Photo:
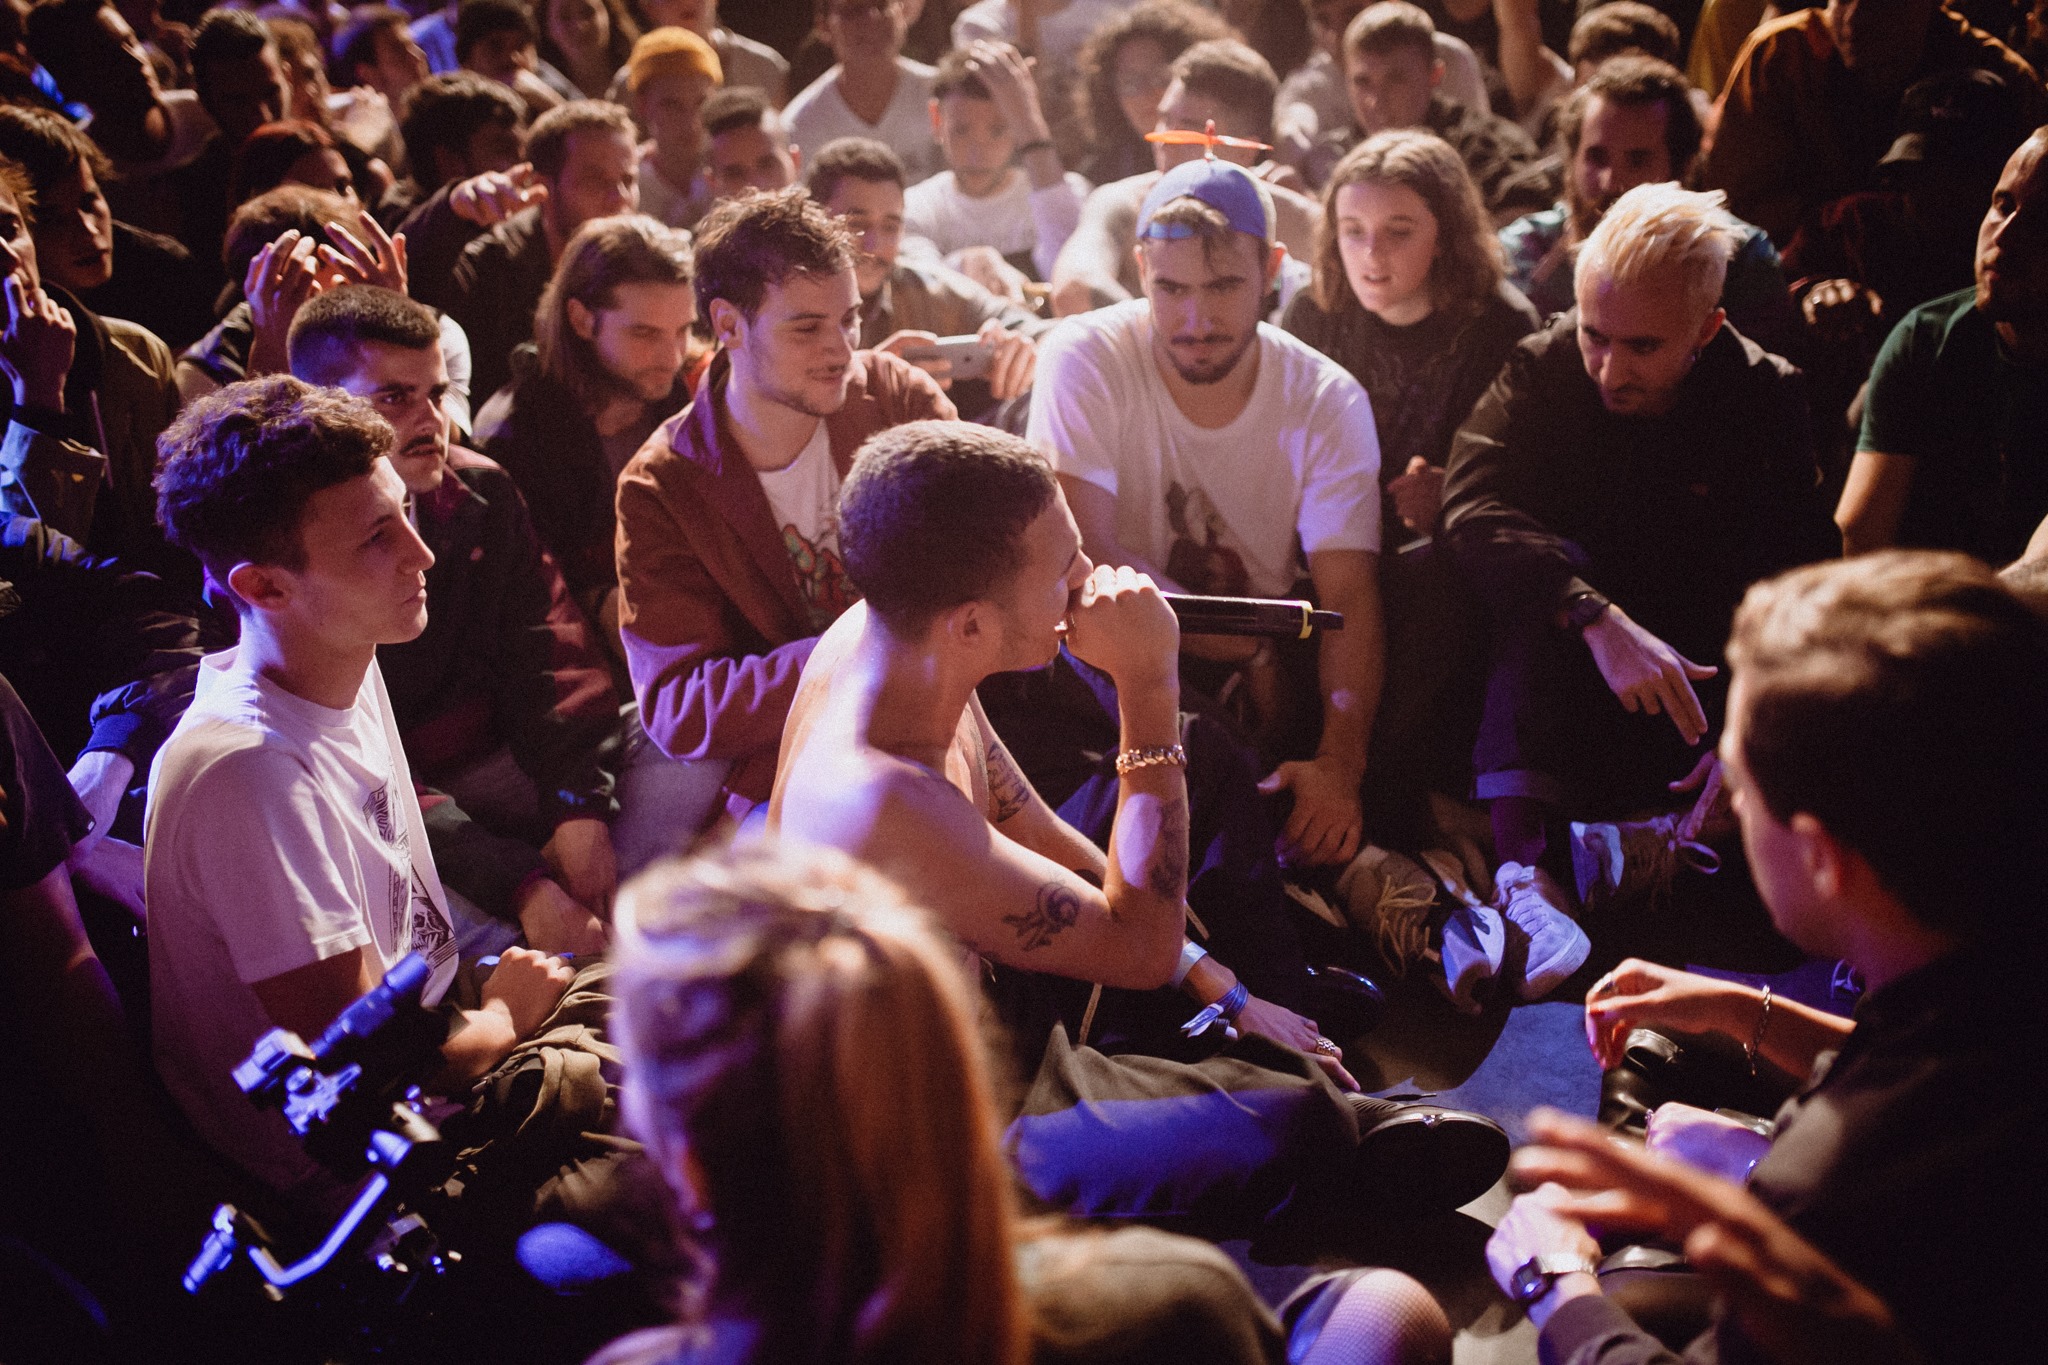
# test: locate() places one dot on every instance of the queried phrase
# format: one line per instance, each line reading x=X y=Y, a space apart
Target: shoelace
x=1401 y=923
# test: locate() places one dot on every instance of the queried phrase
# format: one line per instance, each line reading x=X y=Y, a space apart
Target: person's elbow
x=1151 y=954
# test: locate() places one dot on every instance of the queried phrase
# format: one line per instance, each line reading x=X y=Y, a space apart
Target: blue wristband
x=1227 y=1009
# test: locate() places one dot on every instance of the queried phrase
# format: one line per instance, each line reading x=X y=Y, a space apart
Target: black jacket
x=538 y=431
x=497 y=284
x=505 y=660
x=1672 y=517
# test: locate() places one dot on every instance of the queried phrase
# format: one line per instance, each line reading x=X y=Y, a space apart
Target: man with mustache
x=1634 y=468
x=503 y=700
x=1633 y=123
x=1202 y=446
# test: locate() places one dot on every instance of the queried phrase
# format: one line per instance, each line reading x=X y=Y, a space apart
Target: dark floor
x=1503 y=1064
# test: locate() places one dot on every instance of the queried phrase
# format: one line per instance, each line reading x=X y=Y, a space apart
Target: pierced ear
x=1711 y=327
x=727 y=322
x=260 y=585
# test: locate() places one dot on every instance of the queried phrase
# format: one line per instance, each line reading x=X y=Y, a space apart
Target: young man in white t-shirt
x=873 y=90
x=1212 y=451
x=287 y=865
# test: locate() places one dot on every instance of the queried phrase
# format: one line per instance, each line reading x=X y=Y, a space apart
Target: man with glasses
x=873 y=90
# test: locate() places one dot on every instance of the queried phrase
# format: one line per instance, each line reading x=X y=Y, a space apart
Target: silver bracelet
x=1756 y=1040
x=1191 y=952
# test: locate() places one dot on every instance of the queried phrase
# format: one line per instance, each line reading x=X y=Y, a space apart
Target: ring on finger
x=1328 y=1048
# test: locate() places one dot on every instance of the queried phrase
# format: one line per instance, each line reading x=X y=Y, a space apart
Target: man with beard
x=1634 y=124
x=728 y=557
x=605 y=368
x=1951 y=455
x=1211 y=450
x=502 y=701
x=1634 y=468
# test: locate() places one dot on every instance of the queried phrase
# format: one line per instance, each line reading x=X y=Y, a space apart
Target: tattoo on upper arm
x=1058 y=908
x=1166 y=873
x=1007 y=790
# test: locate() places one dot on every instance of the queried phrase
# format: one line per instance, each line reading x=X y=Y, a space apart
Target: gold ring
x=1325 y=1046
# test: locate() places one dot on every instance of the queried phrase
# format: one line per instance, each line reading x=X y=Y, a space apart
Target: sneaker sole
x=1430 y=1160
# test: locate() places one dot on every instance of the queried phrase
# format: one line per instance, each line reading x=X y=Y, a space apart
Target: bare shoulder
x=879 y=808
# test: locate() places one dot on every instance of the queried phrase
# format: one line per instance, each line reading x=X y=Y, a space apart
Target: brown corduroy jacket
x=714 y=621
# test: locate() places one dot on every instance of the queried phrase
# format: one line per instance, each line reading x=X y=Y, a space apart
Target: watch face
x=1528 y=1283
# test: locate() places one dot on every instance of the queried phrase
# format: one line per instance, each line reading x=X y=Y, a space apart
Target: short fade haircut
x=1387 y=27
x=237 y=468
x=273 y=213
x=327 y=334
x=854 y=158
x=1895 y=697
x=1624 y=26
x=446 y=111
x=933 y=514
x=1658 y=228
x=1236 y=77
x=759 y=239
x=1639 y=82
x=227 y=35
x=547 y=142
x=739 y=106
x=605 y=253
x=956 y=77
x=48 y=146
x=476 y=20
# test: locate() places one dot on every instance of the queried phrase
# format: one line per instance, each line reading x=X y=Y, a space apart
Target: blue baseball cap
x=1224 y=186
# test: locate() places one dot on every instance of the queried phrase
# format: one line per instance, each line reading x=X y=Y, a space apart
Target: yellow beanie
x=671 y=51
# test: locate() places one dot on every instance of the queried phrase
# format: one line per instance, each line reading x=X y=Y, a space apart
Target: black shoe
x=1650 y=1066
x=1345 y=1005
x=1424 y=1158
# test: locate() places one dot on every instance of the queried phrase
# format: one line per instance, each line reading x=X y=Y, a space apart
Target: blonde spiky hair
x=1660 y=229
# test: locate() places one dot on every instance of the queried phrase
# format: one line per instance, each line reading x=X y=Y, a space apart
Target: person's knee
x=1383 y=1318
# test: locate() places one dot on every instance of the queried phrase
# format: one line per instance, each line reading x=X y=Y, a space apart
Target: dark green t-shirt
x=1946 y=392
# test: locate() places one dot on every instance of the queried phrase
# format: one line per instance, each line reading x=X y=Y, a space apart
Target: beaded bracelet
x=1130 y=760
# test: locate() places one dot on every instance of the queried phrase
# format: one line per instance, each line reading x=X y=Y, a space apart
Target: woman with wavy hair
x=803 y=1063
x=1122 y=77
x=1410 y=297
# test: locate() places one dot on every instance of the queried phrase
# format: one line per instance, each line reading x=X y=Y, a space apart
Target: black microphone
x=1280 y=619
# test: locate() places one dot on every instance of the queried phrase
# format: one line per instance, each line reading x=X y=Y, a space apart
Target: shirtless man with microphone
x=970 y=564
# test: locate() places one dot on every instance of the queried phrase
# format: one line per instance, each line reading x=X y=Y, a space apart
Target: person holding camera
x=287 y=866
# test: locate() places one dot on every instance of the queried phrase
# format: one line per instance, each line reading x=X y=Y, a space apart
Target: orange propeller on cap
x=1208 y=139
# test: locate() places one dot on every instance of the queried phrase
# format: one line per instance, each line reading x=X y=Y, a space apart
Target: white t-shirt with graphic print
x=1230 y=510
x=804 y=496
x=280 y=833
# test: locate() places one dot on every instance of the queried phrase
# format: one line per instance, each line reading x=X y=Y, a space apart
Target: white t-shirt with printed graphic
x=1228 y=511
x=280 y=833
x=804 y=496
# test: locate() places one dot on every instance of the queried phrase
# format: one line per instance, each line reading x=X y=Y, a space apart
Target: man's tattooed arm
x=1166 y=872
x=1057 y=909
x=1008 y=793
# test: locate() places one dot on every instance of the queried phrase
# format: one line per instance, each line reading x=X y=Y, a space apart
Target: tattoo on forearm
x=1057 y=909
x=1007 y=790
x=1166 y=874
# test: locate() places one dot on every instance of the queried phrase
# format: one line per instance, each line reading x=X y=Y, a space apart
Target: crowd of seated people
x=460 y=459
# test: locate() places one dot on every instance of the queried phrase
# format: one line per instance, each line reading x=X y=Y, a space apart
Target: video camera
x=354 y=1098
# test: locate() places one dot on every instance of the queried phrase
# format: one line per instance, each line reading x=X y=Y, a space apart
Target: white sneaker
x=1533 y=903
x=1475 y=941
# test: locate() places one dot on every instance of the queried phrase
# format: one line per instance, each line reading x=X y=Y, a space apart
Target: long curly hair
x=1175 y=26
x=1468 y=268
